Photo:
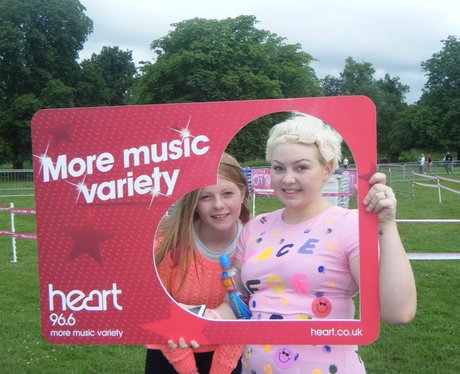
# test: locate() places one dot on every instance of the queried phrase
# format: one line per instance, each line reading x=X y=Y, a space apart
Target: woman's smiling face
x=219 y=206
x=298 y=173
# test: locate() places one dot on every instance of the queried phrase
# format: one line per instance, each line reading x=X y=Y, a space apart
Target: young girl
x=204 y=225
x=271 y=252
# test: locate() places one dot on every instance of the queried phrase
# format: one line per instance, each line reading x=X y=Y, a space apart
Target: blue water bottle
x=238 y=294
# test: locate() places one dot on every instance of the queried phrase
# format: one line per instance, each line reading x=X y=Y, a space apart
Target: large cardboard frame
x=104 y=178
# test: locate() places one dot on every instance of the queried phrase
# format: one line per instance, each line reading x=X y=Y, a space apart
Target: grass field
x=427 y=345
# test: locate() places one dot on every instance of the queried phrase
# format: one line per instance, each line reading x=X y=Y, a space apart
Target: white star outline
x=80 y=187
x=184 y=133
x=155 y=192
x=42 y=158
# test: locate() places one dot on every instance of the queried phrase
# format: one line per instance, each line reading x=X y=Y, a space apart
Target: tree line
x=204 y=60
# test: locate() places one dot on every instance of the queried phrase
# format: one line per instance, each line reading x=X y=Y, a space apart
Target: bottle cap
x=225 y=261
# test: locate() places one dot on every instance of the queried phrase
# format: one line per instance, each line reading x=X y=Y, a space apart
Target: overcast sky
x=395 y=36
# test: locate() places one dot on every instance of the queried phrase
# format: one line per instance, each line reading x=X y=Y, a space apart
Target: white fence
x=12 y=232
x=412 y=256
x=431 y=256
x=402 y=172
x=437 y=183
x=16 y=183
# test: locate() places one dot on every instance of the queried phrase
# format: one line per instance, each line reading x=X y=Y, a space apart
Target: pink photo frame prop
x=105 y=177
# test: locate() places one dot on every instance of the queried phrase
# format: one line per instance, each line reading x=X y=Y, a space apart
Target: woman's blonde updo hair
x=306 y=129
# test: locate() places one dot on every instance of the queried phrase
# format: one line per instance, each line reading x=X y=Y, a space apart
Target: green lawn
x=428 y=345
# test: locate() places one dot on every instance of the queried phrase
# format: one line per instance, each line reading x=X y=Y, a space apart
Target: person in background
x=204 y=225
x=448 y=163
x=315 y=244
x=421 y=164
x=429 y=163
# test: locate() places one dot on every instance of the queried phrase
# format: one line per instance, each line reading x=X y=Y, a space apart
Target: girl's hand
x=183 y=344
x=381 y=199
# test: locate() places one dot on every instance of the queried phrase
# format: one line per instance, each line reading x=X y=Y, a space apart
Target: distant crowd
x=425 y=163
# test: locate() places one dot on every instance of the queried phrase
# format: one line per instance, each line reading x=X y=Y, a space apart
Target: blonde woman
x=304 y=258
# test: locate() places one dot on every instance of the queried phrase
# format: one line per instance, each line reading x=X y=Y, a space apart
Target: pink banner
x=261 y=179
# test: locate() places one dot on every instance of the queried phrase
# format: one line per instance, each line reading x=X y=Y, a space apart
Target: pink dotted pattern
x=92 y=246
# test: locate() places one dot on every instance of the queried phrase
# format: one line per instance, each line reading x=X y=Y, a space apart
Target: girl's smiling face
x=298 y=173
x=219 y=206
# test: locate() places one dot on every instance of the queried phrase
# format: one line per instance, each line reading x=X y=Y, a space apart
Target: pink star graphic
x=59 y=133
x=87 y=240
x=179 y=324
